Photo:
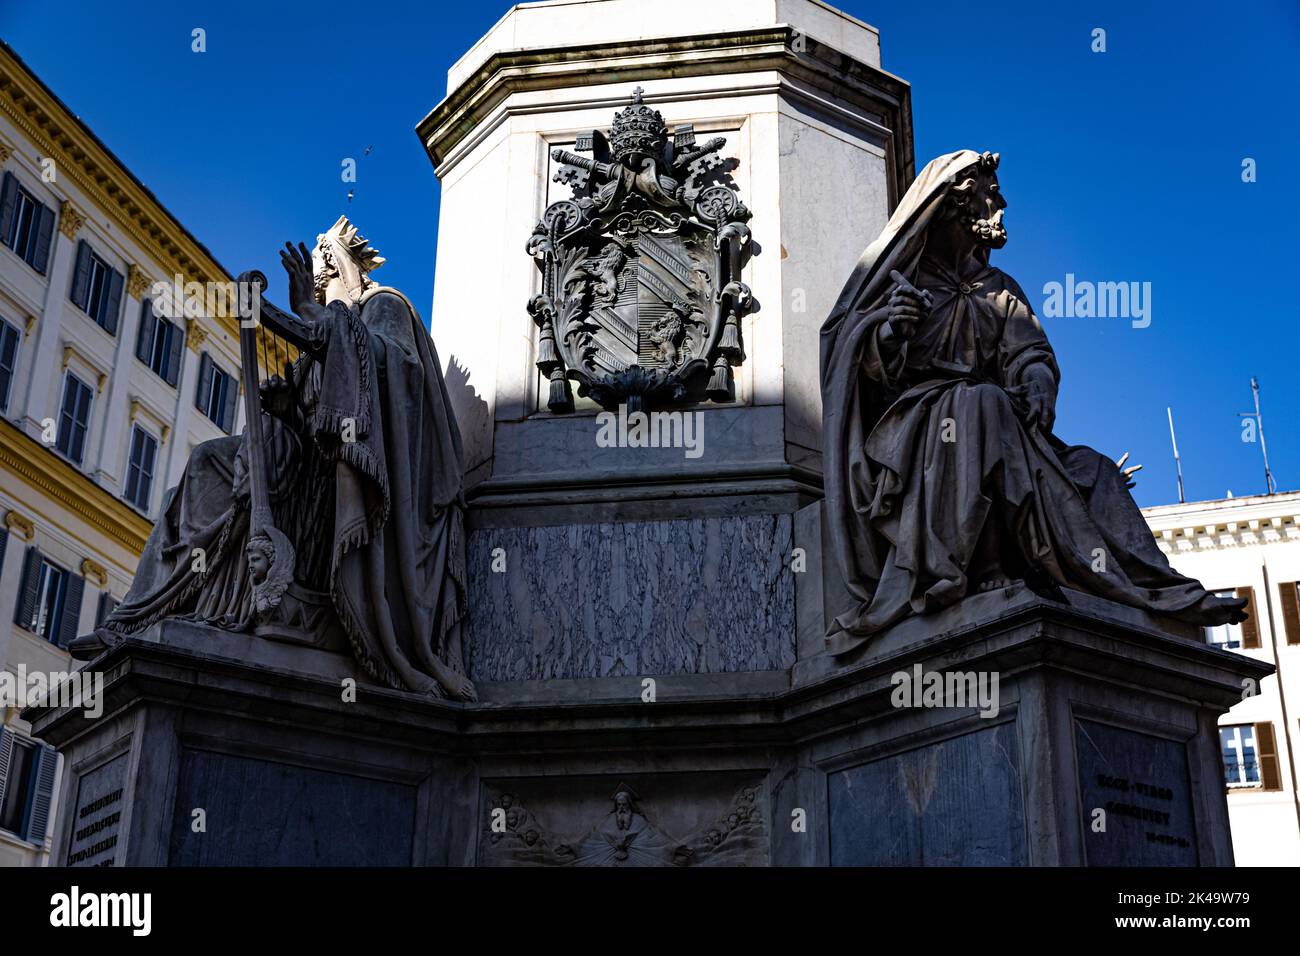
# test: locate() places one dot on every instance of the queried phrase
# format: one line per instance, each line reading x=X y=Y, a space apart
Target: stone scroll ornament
x=642 y=301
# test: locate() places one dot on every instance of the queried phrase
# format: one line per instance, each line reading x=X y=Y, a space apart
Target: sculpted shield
x=641 y=300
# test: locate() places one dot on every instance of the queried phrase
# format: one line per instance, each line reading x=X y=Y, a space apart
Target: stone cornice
x=780 y=49
x=1229 y=534
x=51 y=475
x=1228 y=523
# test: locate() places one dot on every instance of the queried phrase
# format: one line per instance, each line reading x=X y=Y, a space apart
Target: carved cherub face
x=259 y=560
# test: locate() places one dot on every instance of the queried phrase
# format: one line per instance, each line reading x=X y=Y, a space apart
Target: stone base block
x=1087 y=736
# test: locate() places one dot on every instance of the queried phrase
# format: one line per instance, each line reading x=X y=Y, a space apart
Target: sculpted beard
x=990 y=232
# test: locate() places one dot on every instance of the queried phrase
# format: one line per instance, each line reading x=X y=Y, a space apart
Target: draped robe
x=927 y=448
x=377 y=522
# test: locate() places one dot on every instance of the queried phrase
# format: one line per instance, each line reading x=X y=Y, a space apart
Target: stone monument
x=647 y=211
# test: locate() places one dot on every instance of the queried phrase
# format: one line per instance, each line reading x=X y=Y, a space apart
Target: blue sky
x=1117 y=166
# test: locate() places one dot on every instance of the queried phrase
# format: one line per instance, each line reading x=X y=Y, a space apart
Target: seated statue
x=363 y=470
x=943 y=474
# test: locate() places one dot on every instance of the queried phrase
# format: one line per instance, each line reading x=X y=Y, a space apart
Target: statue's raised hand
x=908 y=305
x=302 y=288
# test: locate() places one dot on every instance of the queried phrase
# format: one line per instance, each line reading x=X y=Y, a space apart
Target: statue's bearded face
x=975 y=206
x=989 y=204
x=322 y=271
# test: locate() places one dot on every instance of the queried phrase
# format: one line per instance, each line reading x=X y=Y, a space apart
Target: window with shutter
x=111 y=307
x=1250 y=626
x=40 y=260
x=25 y=609
x=6 y=758
x=10 y=338
x=140 y=467
x=202 y=393
x=1266 y=746
x=8 y=199
x=63 y=630
x=176 y=348
x=229 y=397
x=144 y=334
x=74 y=419
x=19 y=778
x=42 y=801
x=1240 y=764
x=45 y=591
x=1291 y=611
x=81 y=277
x=97 y=288
x=26 y=224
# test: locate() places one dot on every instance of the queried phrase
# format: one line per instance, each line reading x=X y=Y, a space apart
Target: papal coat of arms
x=641 y=299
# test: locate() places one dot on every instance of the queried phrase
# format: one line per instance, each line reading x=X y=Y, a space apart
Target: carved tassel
x=730 y=336
x=561 y=397
x=719 y=389
x=547 y=355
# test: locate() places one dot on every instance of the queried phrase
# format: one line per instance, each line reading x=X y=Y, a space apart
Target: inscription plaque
x=1142 y=784
x=97 y=815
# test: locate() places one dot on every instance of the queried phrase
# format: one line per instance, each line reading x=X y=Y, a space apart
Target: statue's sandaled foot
x=995 y=583
x=89 y=646
x=455 y=686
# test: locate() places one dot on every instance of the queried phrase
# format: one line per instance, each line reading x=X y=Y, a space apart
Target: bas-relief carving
x=642 y=300
x=944 y=475
x=705 y=595
x=625 y=834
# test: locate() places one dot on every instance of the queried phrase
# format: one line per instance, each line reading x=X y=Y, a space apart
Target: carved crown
x=637 y=129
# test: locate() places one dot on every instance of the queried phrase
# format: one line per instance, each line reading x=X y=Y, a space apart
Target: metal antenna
x=1270 y=485
x=1178 y=463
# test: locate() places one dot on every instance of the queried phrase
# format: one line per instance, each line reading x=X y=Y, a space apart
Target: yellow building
x=101 y=400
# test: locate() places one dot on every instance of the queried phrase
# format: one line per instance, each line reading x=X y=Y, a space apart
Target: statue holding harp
x=336 y=520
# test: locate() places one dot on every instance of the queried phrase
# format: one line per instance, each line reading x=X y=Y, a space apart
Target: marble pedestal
x=217 y=749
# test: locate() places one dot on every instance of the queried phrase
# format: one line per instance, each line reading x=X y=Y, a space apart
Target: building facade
x=101 y=401
x=1251 y=546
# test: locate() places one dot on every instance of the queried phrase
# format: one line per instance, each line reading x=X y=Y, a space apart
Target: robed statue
x=944 y=476
x=336 y=519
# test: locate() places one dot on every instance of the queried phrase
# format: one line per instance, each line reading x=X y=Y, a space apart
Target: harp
x=269 y=340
